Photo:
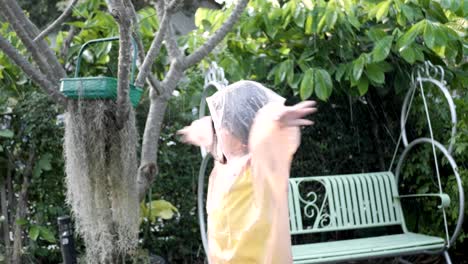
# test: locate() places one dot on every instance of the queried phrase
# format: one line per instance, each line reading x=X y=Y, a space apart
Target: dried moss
x=101 y=168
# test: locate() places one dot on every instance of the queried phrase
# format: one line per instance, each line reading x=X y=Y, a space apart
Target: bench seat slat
x=341 y=228
x=364 y=247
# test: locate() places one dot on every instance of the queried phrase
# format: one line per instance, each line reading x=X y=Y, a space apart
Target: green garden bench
x=350 y=202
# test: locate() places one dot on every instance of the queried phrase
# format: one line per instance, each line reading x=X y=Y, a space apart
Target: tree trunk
x=5 y=223
x=9 y=189
x=21 y=211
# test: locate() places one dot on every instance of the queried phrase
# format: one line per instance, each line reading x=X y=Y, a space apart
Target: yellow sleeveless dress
x=238 y=229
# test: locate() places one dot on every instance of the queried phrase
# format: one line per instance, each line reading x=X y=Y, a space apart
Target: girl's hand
x=293 y=116
x=199 y=133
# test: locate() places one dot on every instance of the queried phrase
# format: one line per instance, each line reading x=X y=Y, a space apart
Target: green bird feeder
x=99 y=87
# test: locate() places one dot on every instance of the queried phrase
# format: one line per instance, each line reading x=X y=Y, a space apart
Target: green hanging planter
x=99 y=87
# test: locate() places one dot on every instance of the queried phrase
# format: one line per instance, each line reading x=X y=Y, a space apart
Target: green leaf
x=307 y=55
x=162 y=209
x=340 y=71
x=284 y=50
x=382 y=49
x=429 y=35
x=331 y=19
x=6 y=133
x=166 y=214
x=286 y=22
x=308 y=24
x=307 y=84
x=78 y=24
x=323 y=84
x=382 y=10
x=440 y=51
x=354 y=21
x=408 y=12
x=270 y=29
x=37 y=171
x=363 y=86
x=419 y=54
x=328 y=20
x=435 y=12
x=206 y=25
x=300 y=19
x=21 y=221
x=408 y=38
x=34 y=232
x=282 y=71
x=290 y=72
x=408 y=55
x=375 y=73
x=46 y=234
x=441 y=34
x=358 y=66
x=295 y=83
x=45 y=162
x=376 y=34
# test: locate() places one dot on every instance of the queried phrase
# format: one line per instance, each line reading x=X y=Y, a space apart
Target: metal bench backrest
x=342 y=202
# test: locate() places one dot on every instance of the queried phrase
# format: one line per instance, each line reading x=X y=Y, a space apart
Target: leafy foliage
x=357 y=44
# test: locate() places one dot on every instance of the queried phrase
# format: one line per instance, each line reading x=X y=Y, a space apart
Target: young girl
x=253 y=137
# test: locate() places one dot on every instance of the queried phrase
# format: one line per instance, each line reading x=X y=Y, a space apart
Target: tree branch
x=173 y=76
x=57 y=22
x=149 y=151
x=171 y=43
x=32 y=30
x=121 y=14
x=28 y=25
x=209 y=45
x=172 y=46
x=153 y=52
x=26 y=30
x=32 y=48
x=35 y=75
x=67 y=41
x=153 y=82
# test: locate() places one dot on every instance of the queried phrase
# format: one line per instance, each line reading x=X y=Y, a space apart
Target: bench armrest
x=444 y=198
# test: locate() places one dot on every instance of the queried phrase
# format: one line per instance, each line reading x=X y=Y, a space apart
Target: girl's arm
x=274 y=138
x=201 y=133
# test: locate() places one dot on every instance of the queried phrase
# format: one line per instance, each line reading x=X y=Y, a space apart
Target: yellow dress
x=237 y=227
x=247 y=206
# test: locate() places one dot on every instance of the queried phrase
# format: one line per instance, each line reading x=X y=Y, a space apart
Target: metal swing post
x=214 y=78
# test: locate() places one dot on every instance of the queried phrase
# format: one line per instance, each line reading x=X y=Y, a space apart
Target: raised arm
x=274 y=138
x=201 y=133
x=275 y=131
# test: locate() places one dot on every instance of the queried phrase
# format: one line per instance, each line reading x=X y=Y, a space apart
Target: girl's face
x=231 y=146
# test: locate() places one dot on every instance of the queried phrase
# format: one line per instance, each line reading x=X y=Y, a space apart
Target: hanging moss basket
x=99 y=87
